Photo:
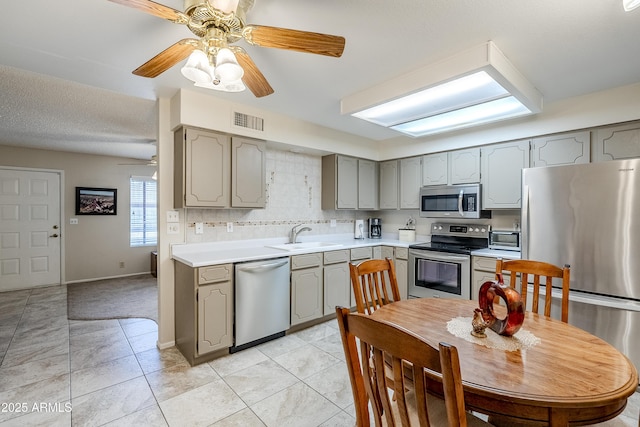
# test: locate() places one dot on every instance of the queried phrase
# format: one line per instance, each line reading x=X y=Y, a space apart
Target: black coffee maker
x=375 y=228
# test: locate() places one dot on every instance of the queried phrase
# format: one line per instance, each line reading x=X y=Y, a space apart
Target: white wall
x=95 y=247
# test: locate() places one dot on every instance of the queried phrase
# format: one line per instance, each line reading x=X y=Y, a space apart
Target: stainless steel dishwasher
x=262 y=301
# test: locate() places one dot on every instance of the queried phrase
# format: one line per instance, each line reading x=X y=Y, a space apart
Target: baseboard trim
x=165 y=345
x=106 y=278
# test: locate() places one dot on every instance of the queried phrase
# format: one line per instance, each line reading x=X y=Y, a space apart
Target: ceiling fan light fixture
x=225 y=6
x=197 y=68
x=227 y=68
x=475 y=87
x=629 y=5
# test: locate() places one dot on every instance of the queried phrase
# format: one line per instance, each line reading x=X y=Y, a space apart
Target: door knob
x=55 y=227
x=54 y=235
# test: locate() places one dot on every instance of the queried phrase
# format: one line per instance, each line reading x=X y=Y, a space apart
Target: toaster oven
x=504 y=240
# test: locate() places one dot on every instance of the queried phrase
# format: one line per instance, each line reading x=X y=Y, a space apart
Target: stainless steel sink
x=305 y=245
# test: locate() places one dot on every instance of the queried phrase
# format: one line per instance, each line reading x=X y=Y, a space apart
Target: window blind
x=144 y=212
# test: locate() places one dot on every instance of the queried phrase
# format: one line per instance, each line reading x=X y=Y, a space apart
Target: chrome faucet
x=293 y=234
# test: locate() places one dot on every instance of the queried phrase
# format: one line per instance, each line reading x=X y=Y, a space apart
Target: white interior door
x=29 y=229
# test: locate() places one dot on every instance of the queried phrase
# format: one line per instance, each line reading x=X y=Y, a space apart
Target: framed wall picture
x=96 y=201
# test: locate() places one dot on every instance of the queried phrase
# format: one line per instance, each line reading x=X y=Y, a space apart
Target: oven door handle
x=439 y=256
x=460 y=203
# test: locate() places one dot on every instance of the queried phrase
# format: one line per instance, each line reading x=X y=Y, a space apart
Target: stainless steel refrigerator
x=588 y=216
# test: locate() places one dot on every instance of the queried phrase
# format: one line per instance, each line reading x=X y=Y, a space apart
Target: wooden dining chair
x=542 y=272
x=374 y=284
x=411 y=406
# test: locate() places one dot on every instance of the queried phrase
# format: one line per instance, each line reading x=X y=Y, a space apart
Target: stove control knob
x=477 y=229
x=483 y=230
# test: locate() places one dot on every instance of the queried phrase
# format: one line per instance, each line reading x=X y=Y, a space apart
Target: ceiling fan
x=218 y=24
x=153 y=162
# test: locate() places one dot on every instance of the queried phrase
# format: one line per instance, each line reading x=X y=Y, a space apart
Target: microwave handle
x=460 y=203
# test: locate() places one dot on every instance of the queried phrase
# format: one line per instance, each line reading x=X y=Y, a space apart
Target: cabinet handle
x=54 y=235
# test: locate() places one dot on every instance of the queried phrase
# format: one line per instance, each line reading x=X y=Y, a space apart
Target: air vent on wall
x=248 y=122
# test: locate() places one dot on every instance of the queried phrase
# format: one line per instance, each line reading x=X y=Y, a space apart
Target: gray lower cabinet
x=401 y=260
x=306 y=288
x=484 y=270
x=357 y=256
x=203 y=310
x=337 y=281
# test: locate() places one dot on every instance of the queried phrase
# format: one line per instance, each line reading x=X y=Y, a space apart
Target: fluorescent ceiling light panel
x=476 y=87
x=629 y=5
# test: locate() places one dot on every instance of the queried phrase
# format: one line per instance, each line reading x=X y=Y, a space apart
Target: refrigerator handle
x=525 y=222
x=460 y=203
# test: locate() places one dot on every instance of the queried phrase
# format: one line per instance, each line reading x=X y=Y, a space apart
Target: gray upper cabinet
x=339 y=182
x=202 y=165
x=349 y=183
x=389 y=184
x=452 y=167
x=563 y=149
x=410 y=180
x=617 y=142
x=367 y=184
x=248 y=169
x=213 y=170
x=464 y=166
x=501 y=166
x=435 y=169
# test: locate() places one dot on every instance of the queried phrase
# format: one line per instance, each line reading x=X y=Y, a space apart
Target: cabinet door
x=337 y=287
x=617 y=142
x=215 y=317
x=435 y=169
x=248 y=173
x=306 y=295
x=410 y=182
x=389 y=184
x=367 y=184
x=206 y=169
x=347 y=182
x=464 y=166
x=402 y=277
x=564 y=149
x=501 y=166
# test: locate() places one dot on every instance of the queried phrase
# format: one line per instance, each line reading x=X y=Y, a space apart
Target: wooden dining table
x=569 y=377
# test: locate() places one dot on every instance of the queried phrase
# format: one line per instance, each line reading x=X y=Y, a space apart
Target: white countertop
x=495 y=253
x=212 y=253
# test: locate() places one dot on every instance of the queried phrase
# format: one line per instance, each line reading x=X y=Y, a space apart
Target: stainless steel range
x=442 y=268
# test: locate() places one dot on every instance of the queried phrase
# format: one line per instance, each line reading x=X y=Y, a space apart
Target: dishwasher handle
x=264 y=267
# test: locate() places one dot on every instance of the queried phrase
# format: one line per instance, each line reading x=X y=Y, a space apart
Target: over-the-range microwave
x=452 y=201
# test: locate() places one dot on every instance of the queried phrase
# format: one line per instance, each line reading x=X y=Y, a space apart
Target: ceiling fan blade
x=166 y=59
x=253 y=77
x=301 y=41
x=155 y=9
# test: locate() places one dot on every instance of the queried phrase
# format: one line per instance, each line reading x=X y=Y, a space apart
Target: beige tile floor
x=57 y=372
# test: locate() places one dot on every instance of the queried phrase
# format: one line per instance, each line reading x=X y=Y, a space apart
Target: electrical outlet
x=333 y=223
x=199 y=228
x=173 y=216
x=173 y=228
x=73 y=221
x=229 y=227
x=121 y=264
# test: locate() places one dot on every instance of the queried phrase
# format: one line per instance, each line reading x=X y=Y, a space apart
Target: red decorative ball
x=515 y=309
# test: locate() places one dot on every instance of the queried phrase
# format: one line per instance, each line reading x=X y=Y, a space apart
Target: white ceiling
x=65 y=65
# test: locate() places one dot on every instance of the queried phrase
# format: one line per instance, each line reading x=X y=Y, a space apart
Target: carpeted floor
x=134 y=296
